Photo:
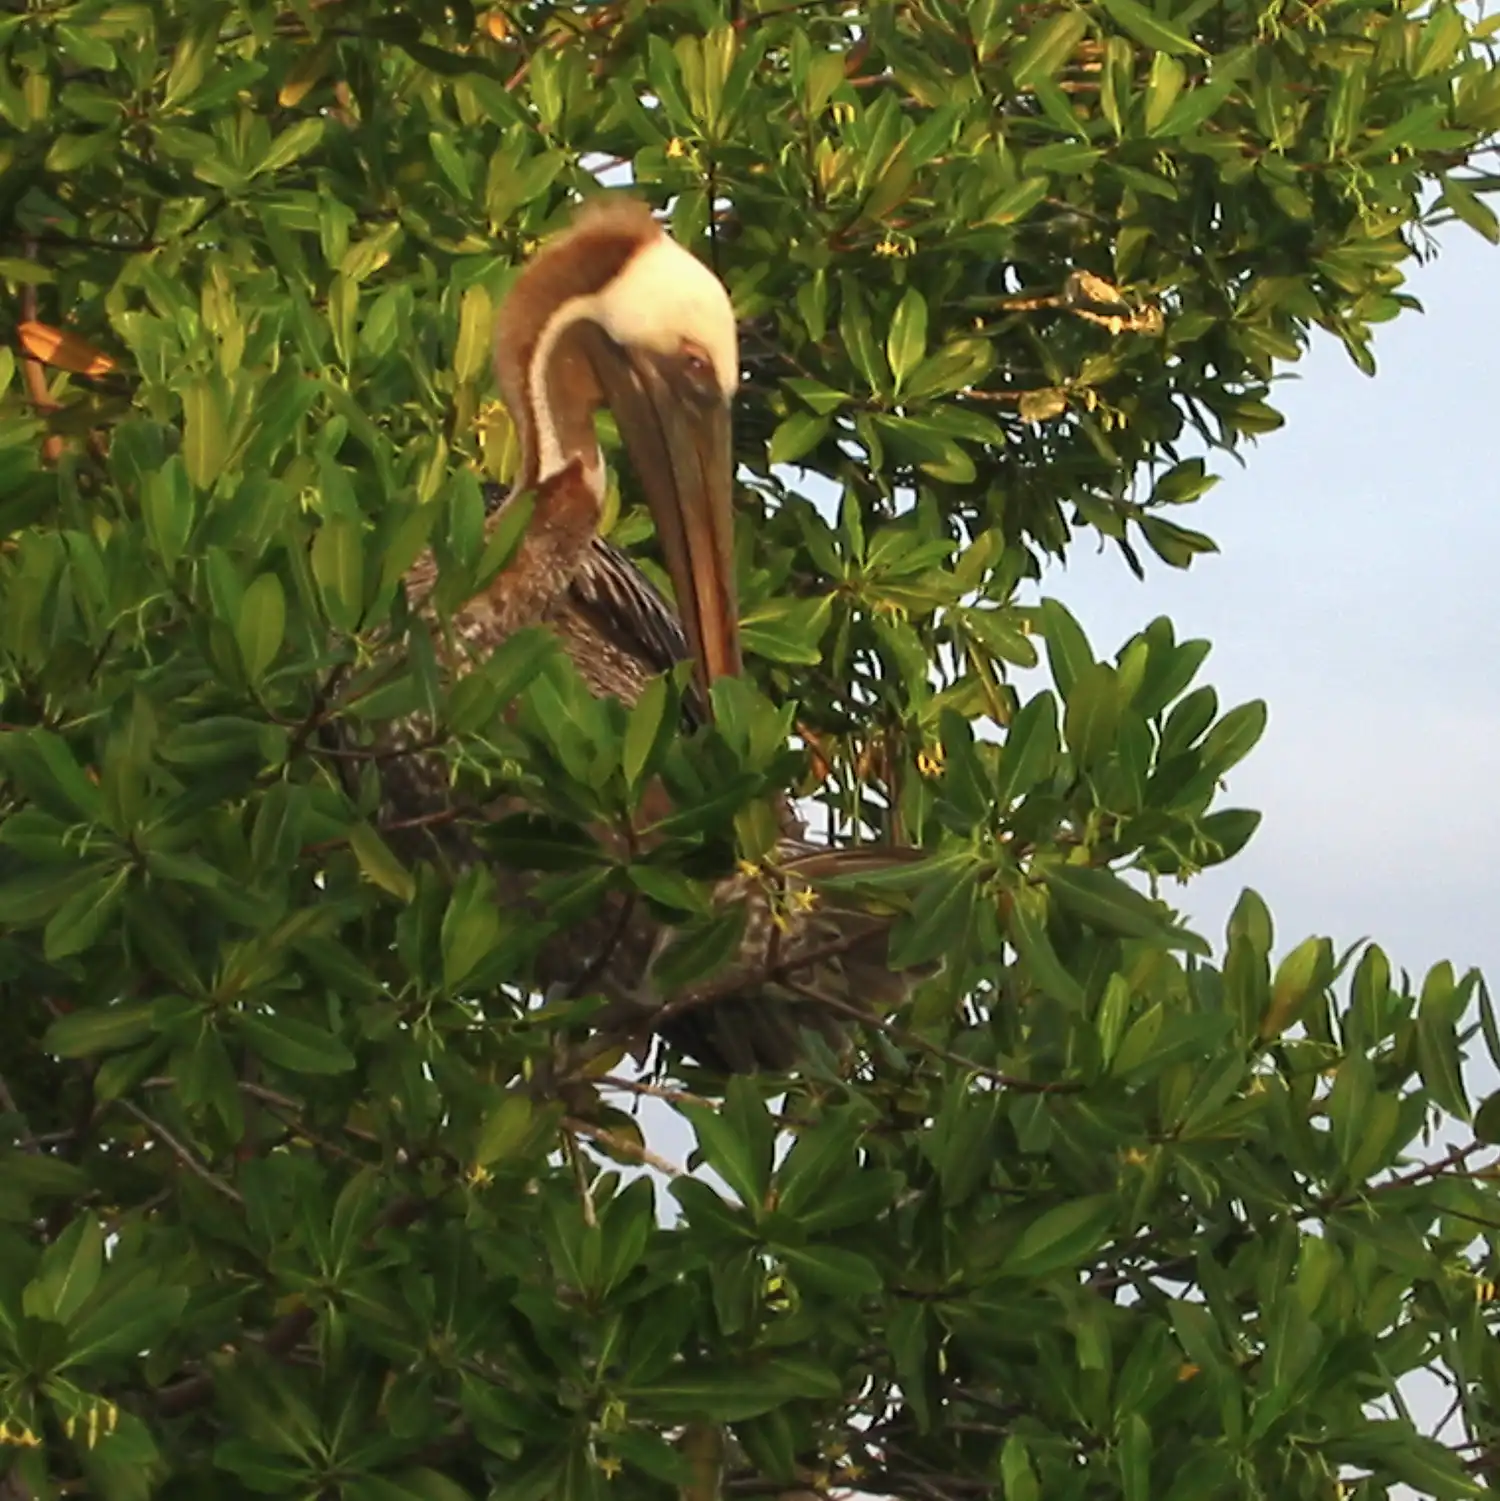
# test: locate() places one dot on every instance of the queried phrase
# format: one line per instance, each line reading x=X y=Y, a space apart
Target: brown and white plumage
x=615 y=313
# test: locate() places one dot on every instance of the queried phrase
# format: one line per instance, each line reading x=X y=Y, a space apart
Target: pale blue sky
x=1355 y=593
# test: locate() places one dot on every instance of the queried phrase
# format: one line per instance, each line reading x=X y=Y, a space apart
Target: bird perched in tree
x=615 y=313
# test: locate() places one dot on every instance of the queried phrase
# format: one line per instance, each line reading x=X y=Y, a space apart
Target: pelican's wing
x=628 y=609
x=632 y=613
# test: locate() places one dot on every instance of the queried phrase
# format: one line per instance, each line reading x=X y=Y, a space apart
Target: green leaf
x=1092 y=716
x=295 y=1045
x=1487 y=1120
x=131 y=1319
x=46 y=769
x=940 y=917
x=69 y=1272
x=292 y=144
x=906 y=342
x=379 y=864
x=471 y=928
x=1048 y=47
x=1163 y=85
x=203 y=436
x=338 y=565
x=1149 y=28
x=102 y=1029
x=648 y=732
x=1471 y=210
x=733 y=1392
x=505 y=1130
x=1017 y=201
x=68 y=153
x=167 y=506
x=840 y=1274
x=475 y=324
x=1102 y=899
x=787 y=629
x=1437 y=1042
x=1299 y=977
x=1062 y=1237
x=261 y=624
x=1134 y=1457
x=1028 y=928
x=858 y=338
x=798 y=435
x=1017 y=1477
x=1068 y=652
x=1233 y=737
x=737 y=1142
x=1029 y=755
x=76 y=924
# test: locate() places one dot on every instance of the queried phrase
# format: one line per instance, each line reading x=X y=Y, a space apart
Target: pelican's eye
x=698 y=368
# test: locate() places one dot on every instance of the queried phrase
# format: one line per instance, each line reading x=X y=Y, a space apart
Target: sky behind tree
x=1356 y=593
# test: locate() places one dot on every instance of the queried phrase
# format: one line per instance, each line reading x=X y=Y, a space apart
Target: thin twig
x=657 y=1091
x=585 y=1197
x=622 y=1145
x=182 y=1153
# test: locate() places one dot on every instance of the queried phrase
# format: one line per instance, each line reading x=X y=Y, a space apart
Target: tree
x=303 y=1192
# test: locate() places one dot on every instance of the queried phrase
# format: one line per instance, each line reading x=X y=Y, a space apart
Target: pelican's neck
x=561 y=396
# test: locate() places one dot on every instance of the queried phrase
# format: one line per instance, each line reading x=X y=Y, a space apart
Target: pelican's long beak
x=682 y=451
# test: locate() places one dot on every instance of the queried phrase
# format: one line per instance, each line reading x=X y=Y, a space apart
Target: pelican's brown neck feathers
x=557 y=387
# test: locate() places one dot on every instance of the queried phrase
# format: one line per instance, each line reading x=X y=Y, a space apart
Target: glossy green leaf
x=1062 y=1237
x=338 y=567
x=204 y=441
x=906 y=342
x=296 y=1045
x=261 y=624
x=1147 y=25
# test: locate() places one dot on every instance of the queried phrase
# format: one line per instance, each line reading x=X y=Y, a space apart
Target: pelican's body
x=616 y=313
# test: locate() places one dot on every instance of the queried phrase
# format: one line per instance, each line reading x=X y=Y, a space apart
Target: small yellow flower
x=676 y=148
x=609 y=1466
x=478 y=1177
x=804 y=899
x=888 y=246
x=748 y=868
x=930 y=760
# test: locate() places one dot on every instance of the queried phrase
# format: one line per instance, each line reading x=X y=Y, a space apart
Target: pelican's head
x=614 y=312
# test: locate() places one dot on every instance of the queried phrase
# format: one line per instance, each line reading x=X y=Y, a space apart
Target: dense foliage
x=302 y=1192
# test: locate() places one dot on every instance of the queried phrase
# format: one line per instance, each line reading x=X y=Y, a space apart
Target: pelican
x=615 y=313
